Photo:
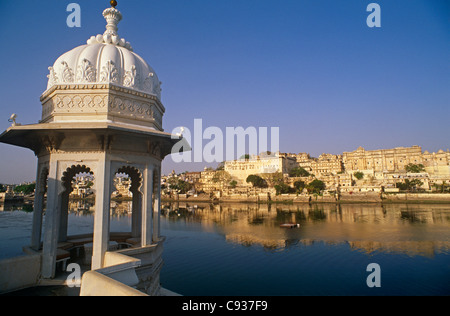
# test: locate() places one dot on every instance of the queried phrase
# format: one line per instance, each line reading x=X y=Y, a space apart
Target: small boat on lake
x=290 y=225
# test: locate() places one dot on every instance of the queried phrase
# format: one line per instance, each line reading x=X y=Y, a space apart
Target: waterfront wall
x=360 y=197
x=417 y=197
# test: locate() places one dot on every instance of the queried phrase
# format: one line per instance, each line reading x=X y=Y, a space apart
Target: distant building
x=192 y=177
x=382 y=168
x=123 y=185
x=396 y=159
x=437 y=163
x=242 y=168
x=206 y=182
x=382 y=160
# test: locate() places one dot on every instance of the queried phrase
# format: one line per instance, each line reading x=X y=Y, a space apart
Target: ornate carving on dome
x=67 y=73
x=152 y=85
x=157 y=90
x=86 y=72
x=131 y=78
x=107 y=61
x=148 y=82
x=110 y=39
x=52 y=77
x=109 y=73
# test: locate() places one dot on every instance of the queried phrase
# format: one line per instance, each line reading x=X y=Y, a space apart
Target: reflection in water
x=121 y=209
x=9 y=207
x=409 y=229
x=412 y=229
x=81 y=216
x=80 y=207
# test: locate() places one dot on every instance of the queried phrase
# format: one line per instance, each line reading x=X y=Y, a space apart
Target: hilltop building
x=396 y=159
x=240 y=169
x=381 y=169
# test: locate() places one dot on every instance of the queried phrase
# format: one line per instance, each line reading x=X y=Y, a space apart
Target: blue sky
x=313 y=68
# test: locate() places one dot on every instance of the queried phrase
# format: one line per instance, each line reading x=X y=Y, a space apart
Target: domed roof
x=106 y=58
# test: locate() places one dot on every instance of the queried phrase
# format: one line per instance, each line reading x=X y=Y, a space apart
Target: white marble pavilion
x=101 y=114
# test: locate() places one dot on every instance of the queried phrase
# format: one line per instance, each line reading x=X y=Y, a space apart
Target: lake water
x=241 y=250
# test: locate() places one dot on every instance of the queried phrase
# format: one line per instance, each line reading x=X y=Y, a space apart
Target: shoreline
x=390 y=198
x=398 y=198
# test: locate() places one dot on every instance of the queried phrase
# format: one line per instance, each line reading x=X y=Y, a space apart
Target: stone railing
x=128 y=272
x=98 y=284
x=117 y=278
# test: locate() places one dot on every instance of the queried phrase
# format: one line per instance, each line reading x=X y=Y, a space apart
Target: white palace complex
x=382 y=167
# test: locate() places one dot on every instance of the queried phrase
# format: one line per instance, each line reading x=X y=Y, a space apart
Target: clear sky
x=313 y=68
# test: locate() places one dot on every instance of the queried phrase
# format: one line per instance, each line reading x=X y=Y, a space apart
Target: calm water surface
x=240 y=249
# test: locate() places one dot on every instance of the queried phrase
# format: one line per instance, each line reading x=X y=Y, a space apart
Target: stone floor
x=46 y=291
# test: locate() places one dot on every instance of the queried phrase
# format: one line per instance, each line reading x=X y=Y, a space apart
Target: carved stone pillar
x=103 y=185
x=41 y=184
x=136 y=214
x=51 y=222
x=157 y=205
x=64 y=216
x=147 y=207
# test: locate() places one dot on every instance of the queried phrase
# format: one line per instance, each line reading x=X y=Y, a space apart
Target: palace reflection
x=80 y=207
x=407 y=229
x=410 y=229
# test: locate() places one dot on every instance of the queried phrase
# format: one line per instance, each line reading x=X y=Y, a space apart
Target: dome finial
x=113 y=17
x=110 y=36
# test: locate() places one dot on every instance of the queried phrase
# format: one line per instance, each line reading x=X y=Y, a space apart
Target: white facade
x=256 y=165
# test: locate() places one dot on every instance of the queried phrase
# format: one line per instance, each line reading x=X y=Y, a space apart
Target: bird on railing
x=180 y=134
x=12 y=119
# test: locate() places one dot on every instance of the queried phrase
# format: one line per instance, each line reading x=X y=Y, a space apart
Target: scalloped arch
x=70 y=173
x=134 y=174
